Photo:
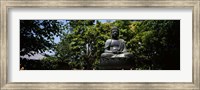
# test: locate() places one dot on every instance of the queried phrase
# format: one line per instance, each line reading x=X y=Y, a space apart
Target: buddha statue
x=115 y=47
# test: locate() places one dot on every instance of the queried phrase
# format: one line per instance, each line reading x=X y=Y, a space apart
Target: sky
x=56 y=40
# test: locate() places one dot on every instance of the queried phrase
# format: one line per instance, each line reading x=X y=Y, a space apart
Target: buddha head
x=114 y=33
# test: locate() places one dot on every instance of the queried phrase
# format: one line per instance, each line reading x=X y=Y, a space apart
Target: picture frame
x=4 y=43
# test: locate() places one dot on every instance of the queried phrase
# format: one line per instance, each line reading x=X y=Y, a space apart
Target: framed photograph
x=103 y=44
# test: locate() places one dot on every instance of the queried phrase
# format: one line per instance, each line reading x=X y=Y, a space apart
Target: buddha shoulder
x=108 y=40
x=122 y=40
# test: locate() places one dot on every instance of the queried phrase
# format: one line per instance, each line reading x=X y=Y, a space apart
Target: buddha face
x=115 y=33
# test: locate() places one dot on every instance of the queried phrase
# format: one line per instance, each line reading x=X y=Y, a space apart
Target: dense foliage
x=36 y=36
x=155 y=44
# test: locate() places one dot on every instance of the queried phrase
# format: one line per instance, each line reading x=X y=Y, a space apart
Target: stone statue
x=115 y=47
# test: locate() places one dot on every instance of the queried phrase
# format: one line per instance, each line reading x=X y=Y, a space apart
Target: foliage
x=155 y=44
x=83 y=46
x=36 y=36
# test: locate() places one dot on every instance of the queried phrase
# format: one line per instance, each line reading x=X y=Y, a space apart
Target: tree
x=82 y=46
x=155 y=44
x=36 y=36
